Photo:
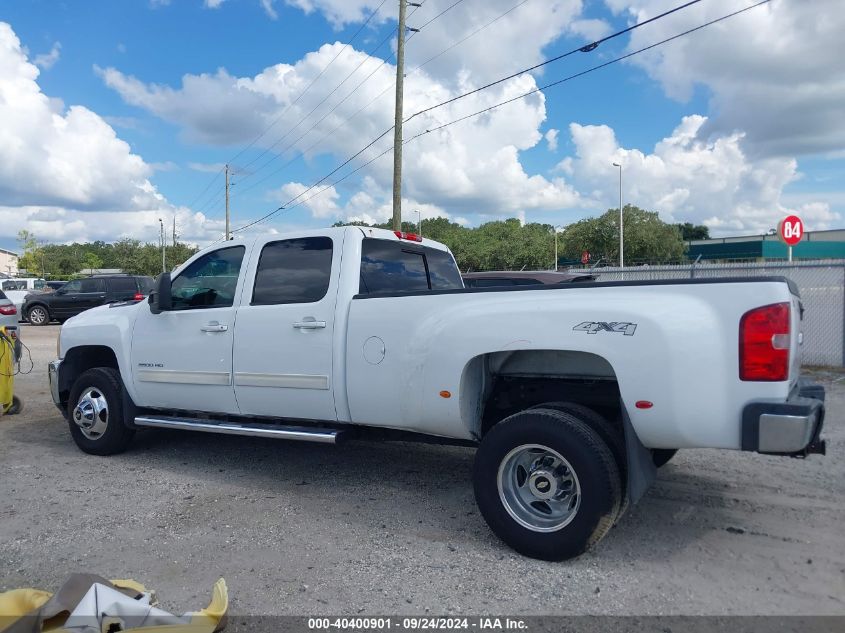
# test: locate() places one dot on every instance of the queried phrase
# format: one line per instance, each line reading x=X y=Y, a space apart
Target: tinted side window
x=210 y=281
x=442 y=270
x=91 y=285
x=122 y=286
x=72 y=286
x=293 y=271
x=145 y=285
x=391 y=267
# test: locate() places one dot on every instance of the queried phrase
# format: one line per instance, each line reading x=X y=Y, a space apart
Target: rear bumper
x=790 y=428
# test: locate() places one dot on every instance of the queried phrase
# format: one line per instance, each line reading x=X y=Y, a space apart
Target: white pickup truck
x=572 y=393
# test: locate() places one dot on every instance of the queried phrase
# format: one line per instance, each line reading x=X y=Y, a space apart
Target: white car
x=566 y=390
x=17 y=288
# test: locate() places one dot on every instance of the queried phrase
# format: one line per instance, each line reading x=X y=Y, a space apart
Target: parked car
x=17 y=288
x=349 y=332
x=496 y=278
x=8 y=311
x=79 y=295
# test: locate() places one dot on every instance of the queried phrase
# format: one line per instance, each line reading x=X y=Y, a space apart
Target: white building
x=8 y=262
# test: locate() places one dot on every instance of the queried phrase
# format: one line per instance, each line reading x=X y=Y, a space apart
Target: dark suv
x=79 y=295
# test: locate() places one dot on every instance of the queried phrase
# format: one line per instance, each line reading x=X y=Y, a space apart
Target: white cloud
x=267 y=5
x=65 y=174
x=210 y=168
x=774 y=72
x=687 y=179
x=212 y=4
x=473 y=166
x=551 y=139
x=46 y=61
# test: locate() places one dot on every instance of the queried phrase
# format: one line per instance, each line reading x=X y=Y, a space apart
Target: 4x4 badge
x=591 y=327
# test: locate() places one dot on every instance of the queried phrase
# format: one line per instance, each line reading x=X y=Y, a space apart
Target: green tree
x=91 y=261
x=647 y=237
x=32 y=257
x=690 y=231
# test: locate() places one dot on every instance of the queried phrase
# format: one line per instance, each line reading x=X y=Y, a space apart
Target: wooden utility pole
x=397 y=124
x=227 y=203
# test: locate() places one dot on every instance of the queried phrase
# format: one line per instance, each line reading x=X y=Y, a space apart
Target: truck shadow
x=419 y=490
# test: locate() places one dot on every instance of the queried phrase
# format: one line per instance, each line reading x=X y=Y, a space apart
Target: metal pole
x=419 y=223
x=556 y=260
x=621 y=223
x=397 y=123
x=790 y=253
x=161 y=239
x=227 y=203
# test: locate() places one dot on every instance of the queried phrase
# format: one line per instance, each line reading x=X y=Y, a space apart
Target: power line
x=289 y=204
x=370 y=55
x=279 y=117
x=591 y=69
x=584 y=49
x=374 y=99
x=587 y=48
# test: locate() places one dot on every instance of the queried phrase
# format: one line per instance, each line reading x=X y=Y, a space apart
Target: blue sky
x=711 y=129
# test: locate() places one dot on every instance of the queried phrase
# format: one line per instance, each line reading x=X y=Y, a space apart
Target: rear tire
x=38 y=315
x=95 y=412
x=614 y=439
x=528 y=469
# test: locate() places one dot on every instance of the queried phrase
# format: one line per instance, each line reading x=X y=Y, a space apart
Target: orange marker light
x=445 y=394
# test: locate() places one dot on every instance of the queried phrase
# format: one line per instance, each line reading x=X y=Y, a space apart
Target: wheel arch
x=497 y=384
x=80 y=359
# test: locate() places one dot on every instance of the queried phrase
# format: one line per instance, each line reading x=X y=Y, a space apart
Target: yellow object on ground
x=34 y=610
x=7 y=370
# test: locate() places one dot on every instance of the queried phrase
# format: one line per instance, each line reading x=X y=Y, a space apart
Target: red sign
x=585 y=257
x=791 y=230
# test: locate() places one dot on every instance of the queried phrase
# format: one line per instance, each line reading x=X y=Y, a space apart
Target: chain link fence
x=822 y=285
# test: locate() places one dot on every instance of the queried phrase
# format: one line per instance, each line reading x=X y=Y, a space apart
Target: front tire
x=38 y=315
x=547 y=484
x=95 y=412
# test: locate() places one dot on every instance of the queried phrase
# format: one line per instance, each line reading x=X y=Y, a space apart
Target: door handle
x=214 y=326
x=309 y=325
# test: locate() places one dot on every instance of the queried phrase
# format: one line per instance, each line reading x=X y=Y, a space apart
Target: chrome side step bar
x=252 y=429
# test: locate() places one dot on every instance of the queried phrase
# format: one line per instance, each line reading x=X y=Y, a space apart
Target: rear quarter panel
x=683 y=355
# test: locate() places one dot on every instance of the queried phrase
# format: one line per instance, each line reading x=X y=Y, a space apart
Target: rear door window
x=388 y=266
x=293 y=271
x=91 y=285
x=123 y=287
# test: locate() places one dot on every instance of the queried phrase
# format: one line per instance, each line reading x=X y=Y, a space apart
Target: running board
x=252 y=429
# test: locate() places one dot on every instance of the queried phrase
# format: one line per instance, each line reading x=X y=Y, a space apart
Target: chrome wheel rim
x=91 y=413
x=539 y=488
x=37 y=316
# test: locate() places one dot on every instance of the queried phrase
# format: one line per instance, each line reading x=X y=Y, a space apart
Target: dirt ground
x=370 y=528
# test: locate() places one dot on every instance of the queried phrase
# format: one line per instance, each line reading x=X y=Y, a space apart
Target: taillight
x=764 y=343
x=8 y=310
x=138 y=297
x=413 y=237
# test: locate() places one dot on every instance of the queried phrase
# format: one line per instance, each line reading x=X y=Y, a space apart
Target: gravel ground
x=392 y=528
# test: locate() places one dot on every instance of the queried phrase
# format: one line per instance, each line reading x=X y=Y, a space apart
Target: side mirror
x=161 y=299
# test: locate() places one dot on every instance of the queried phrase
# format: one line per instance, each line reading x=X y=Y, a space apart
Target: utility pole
x=397 y=121
x=227 y=203
x=163 y=245
x=621 y=227
x=174 y=230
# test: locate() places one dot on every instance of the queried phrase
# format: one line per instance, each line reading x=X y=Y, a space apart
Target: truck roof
x=366 y=231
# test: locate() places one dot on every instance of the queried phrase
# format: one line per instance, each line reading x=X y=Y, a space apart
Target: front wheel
x=95 y=412
x=38 y=315
x=547 y=484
